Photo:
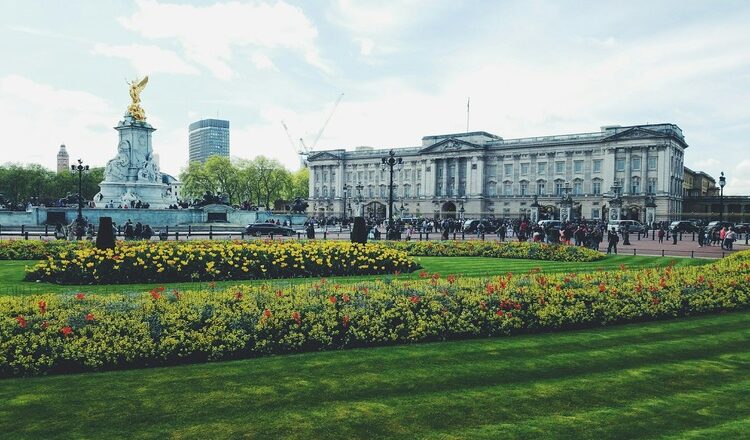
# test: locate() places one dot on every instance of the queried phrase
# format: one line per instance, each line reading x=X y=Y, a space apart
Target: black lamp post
x=80 y=168
x=389 y=162
x=722 y=182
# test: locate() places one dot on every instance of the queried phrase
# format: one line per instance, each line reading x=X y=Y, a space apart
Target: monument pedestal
x=133 y=175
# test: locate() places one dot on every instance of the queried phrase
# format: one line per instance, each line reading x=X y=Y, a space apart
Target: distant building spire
x=63 y=160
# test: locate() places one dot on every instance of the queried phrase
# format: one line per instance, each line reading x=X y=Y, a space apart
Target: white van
x=633 y=226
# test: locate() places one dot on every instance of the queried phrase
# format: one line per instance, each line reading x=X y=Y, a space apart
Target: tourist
x=660 y=234
x=722 y=236
x=729 y=238
x=674 y=236
x=612 y=239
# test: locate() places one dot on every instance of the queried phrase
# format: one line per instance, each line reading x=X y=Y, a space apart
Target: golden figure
x=136 y=87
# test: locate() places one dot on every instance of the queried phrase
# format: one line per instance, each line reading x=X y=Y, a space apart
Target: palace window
x=578 y=167
x=652 y=163
x=418 y=192
x=597 y=166
x=577 y=188
x=596 y=187
x=507 y=189
x=492 y=189
x=559 y=187
x=508 y=169
x=541 y=168
x=652 y=185
x=620 y=164
x=524 y=169
x=636 y=163
x=407 y=191
x=595 y=213
x=382 y=191
x=492 y=170
x=541 y=188
x=371 y=175
x=333 y=192
x=524 y=188
x=559 y=167
x=635 y=185
x=371 y=192
x=325 y=192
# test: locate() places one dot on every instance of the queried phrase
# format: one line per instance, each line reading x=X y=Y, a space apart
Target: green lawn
x=680 y=379
x=12 y=272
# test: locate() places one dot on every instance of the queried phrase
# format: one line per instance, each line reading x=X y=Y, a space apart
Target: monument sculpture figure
x=133 y=174
x=136 y=87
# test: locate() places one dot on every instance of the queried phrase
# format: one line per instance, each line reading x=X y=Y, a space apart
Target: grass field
x=12 y=272
x=677 y=380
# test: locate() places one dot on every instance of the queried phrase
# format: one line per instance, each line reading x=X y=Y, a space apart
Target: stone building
x=698 y=184
x=208 y=137
x=63 y=160
x=478 y=174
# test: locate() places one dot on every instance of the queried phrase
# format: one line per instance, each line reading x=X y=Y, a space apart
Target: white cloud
x=261 y=61
x=43 y=117
x=209 y=35
x=147 y=60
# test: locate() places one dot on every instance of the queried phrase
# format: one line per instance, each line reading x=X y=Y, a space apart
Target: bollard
x=177 y=236
x=680 y=236
x=325 y=234
x=271 y=235
x=46 y=230
x=26 y=235
x=190 y=230
x=1 y=229
x=454 y=235
x=693 y=235
x=420 y=235
x=634 y=252
x=23 y=229
x=242 y=235
x=211 y=232
x=118 y=230
x=662 y=252
x=653 y=234
x=463 y=235
x=692 y=254
x=427 y=235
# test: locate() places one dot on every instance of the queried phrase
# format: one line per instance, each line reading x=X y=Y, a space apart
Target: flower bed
x=37 y=249
x=494 y=249
x=161 y=262
x=61 y=333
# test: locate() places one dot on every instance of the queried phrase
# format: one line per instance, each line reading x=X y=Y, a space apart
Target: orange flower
x=80 y=296
x=42 y=307
x=267 y=313
x=21 y=321
x=66 y=331
x=89 y=317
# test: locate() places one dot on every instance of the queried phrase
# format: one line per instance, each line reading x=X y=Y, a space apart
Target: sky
x=406 y=69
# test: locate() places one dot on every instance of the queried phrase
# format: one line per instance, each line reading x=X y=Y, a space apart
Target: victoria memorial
x=478 y=174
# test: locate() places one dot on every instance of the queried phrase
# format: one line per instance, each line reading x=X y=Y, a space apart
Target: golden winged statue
x=136 y=87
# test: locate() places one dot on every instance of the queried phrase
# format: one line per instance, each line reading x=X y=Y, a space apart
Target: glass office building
x=209 y=137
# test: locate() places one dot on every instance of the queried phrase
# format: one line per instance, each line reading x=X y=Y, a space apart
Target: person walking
x=674 y=236
x=722 y=236
x=661 y=235
x=729 y=238
x=612 y=239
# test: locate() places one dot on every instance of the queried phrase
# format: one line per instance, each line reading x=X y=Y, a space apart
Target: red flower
x=155 y=294
x=423 y=274
x=622 y=267
x=238 y=295
x=414 y=299
x=701 y=279
x=332 y=299
x=279 y=293
x=396 y=272
x=297 y=318
x=655 y=301
x=345 y=297
x=45 y=324
x=451 y=279
x=21 y=321
x=80 y=296
x=66 y=331
x=43 y=307
x=345 y=320
x=500 y=313
x=602 y=287
x=510 y=315
x=89 y=317
x=267 y=313
x=212 y=285
x=436 y=276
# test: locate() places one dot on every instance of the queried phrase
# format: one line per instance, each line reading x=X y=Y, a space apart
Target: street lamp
x=389 y=162
x=80 y=168
x=722 y=182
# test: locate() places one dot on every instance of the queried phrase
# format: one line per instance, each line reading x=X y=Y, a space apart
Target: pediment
x=451 y=145
x=323 y=155
x=635 y=133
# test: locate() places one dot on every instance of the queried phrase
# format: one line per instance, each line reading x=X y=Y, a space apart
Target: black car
x=258 y=229
x=682 y=226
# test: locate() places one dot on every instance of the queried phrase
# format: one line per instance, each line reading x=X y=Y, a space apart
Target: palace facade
x=478 y=174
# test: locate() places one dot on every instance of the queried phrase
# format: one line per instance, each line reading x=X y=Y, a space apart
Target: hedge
x=496 y=249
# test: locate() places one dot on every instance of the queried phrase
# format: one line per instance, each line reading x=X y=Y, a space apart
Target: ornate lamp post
x=359 y=200
x=80 y=168
x=389 y=162
x=722 y=182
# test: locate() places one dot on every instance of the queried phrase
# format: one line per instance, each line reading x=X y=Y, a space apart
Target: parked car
x=742 y=228
x=471 y=226
x=718 y=225
x=258 y=229
x=554 y=224
x=682 y=226
x=633 y=226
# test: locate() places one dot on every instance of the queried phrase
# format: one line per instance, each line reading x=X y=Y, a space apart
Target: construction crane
x=303 y=150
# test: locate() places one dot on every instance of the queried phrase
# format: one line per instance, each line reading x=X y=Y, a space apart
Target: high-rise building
x=208 y=137
x=63 y=160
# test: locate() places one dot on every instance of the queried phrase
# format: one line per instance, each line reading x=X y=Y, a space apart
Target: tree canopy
x=259 y=182
x=20 y=184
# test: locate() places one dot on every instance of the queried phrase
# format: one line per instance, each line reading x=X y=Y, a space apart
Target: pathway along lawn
x=674 y=379
x=12 y=273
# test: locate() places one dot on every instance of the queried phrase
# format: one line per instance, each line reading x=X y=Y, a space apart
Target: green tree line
x=20 y=184
x=259 y=182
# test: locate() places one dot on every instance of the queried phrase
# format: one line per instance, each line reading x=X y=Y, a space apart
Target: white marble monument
x=133 y=175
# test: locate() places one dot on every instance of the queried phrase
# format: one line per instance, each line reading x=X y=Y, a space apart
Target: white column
x=445 y=177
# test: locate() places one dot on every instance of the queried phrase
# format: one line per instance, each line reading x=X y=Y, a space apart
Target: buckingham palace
x=478 y=174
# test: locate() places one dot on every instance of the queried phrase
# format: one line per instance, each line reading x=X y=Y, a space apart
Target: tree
x=299 y=185
x=224 y=175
